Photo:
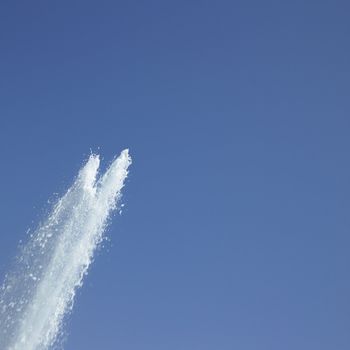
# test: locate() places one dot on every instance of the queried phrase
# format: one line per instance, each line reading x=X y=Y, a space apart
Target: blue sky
x=235 y=233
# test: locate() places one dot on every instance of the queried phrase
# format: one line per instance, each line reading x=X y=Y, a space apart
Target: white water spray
x=39 y=292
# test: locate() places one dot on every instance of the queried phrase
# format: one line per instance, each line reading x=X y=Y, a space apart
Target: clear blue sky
x=236 y=228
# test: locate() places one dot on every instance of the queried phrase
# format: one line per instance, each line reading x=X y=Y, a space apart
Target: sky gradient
x=235 y=233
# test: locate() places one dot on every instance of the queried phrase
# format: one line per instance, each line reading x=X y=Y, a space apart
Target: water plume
x=39 y=292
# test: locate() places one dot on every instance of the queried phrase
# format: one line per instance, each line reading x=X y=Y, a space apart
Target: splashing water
x=39 y=292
